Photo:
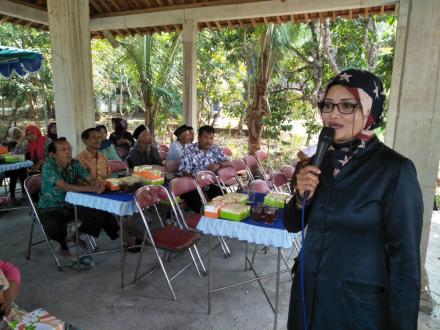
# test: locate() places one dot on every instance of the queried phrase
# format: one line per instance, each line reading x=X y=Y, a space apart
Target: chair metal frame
x=230 y=183
x=143 y=210
x=36 y=221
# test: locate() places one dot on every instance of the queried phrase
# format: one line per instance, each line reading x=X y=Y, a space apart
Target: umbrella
x=21 y=61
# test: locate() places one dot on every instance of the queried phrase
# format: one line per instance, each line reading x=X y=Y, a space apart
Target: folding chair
x=121 y=151
x=117 y=166
x=163 y=147
x=183 y=185
x=242 y=172
x=229 y=180
x=171 y=168
x=227 y=151
x=288 y=171
x=251 y=166
x=280 y=182
x=163 y=155
x=170 y=239
x=32 y=186
x=260 y=186
x=262 y=156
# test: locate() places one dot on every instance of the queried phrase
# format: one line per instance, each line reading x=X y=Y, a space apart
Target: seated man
x=94 y=161
x=61 y=173
x=203 y=155
x=144 y=151
x=178 y=146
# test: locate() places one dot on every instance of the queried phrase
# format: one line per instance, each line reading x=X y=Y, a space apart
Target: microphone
x=325 y=139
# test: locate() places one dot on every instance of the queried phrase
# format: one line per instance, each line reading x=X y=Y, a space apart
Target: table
x=119 y=203
x=250 y=231
x=15 y=166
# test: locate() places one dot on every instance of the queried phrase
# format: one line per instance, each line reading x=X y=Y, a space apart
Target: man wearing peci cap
x=183 y=139
x=144 y=151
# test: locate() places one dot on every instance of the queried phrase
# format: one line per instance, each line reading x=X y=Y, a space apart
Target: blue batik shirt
x=194 y=159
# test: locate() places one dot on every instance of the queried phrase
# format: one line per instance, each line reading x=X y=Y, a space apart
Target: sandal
x=84 y=263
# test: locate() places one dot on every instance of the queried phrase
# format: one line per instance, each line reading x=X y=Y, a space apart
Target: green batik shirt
x=51 y=195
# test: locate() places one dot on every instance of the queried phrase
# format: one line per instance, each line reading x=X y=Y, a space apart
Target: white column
x=69 y=26
x=189 y=39
x=413 y=124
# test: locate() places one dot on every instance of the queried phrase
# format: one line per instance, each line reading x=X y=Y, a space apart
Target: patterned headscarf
x=367 y=89
x=36 y=148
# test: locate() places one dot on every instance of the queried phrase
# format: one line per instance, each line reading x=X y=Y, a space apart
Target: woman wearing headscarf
x=107 y=147
x=361 y=262
x=52 y=132
x=183 y=138
x=34 y=145
x=121 y=138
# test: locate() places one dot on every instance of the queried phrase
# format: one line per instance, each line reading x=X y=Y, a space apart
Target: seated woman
x=52 y=132
x=61 y=173
x=144 y=152
x=10 y=279
x=183 y=138
x=33 y=144
x=107 y=147
x=121 y=137
x=14 y=135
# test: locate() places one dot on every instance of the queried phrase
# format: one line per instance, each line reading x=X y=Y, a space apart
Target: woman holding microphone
x=364 y=211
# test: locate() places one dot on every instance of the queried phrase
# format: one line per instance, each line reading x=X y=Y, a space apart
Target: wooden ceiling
x=108 y=8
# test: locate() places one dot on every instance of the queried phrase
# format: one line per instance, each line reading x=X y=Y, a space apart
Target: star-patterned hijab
x=367 y=89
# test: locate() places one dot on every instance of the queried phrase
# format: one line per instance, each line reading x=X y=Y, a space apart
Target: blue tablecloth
x=15 y=166
x=249 y=230
x=119 y=203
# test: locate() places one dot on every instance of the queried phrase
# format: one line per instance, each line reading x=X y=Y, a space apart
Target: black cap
x=181 y=130
x=139 y=130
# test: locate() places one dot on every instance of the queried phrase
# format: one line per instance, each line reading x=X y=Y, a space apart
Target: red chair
x=252 y=166
x=183 y=185
x=288 y=171
x=207 y=178
x=170 y=239
x=242 y=172
x=279 y=182
x=163 y=147
x=117 y=166
x=227 y=151
x=121 y=151
x=229 y=180
x=260 y=186
x=262 y=156
x=163 y=155
x=172 y=166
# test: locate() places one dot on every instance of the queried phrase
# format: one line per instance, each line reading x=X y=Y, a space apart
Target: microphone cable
x=301 y=261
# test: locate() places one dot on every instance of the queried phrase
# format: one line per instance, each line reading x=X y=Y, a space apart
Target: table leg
x=277 y=290
x=121 y=239
x=245 y=256
x=209 y=274
x=75 y=212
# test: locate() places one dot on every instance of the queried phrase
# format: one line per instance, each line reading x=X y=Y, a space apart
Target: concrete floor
x=93 y=299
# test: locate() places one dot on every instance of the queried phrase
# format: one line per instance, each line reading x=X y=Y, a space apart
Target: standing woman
x=364 y=220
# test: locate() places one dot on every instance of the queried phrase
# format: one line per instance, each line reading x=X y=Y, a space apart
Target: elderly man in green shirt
x=61 y=173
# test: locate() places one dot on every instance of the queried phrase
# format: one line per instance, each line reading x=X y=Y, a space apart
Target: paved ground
x=93 y=299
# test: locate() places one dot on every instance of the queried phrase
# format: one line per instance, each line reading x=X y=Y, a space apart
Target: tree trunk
x=33 y=110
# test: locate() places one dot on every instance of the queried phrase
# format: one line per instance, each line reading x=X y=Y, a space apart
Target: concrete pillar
x=189 y=39
x=69 y=26
x=413 y=123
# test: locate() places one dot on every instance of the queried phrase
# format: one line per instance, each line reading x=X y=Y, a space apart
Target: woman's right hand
x=307 y=180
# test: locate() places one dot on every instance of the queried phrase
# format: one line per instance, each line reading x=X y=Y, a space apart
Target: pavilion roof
x=115 y=8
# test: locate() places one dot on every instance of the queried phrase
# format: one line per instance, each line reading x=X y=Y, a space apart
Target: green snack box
x=156 y=182
x=14 y=158
x=278 y=200
x=235 y=212
x=236 y=198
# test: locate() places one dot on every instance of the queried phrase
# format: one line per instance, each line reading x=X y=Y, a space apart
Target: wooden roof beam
x=27 y=13
x=230 y=12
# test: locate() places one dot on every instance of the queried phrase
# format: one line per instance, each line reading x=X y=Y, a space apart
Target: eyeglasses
x=346 y=108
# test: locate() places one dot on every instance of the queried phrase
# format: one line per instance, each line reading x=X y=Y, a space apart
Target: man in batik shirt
x=200 y=156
